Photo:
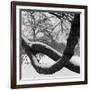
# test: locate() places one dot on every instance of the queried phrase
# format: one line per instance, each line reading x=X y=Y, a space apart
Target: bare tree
x=61 y=61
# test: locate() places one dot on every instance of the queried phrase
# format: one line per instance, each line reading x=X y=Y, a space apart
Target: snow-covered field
x=29 y=73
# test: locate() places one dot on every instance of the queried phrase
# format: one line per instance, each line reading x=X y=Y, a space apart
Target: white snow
x=30 y=43
x=46 y=61
x=29 y=73
x=75 y=60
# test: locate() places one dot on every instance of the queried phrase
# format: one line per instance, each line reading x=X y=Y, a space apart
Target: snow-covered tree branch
x=61 y=60
x=36 y=48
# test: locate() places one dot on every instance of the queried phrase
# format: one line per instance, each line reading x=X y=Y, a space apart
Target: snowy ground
x=29 y=73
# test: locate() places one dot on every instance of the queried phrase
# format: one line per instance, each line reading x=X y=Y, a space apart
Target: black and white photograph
x=49 y=45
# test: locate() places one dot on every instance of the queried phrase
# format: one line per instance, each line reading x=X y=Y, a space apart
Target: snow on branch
x=46 y=70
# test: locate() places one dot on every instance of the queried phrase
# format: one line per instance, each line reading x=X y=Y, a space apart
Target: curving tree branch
x=47 y=50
